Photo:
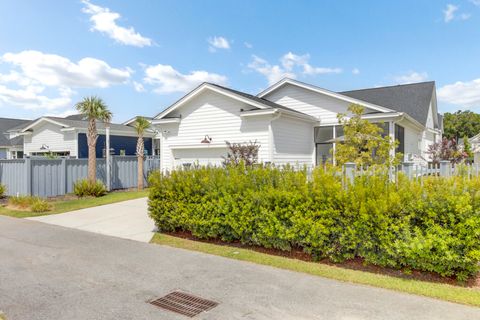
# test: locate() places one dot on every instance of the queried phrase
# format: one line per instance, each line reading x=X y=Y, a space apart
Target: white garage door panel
x=203 y=156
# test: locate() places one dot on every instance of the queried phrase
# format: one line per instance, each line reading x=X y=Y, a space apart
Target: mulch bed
x=353 y=264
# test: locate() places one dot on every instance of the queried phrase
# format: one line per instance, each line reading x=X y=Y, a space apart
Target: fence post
x=63 y=174
x=28 y=176
x=408 y=169
x=445 y=168
x=350 y=168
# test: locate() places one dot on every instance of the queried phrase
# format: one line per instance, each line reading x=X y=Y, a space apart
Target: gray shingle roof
x=413 y=99
x=75 y=117
x=81 y=124
x=5 y=125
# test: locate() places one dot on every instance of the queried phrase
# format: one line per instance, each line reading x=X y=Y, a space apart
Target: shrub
x=22 y=202
x=432 y=225
x=34 y=204
x=3 y=190
x=84 y=188
x=40 y=205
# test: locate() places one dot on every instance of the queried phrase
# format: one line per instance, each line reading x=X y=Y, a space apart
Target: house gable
x=49 y=135
x=314 y=103
x=172 y=112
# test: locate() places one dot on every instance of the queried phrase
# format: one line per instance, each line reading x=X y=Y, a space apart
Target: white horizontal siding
x=217 y=116
x=413 y=138
x=312 y=103
x=51 y=135
x=293 y=142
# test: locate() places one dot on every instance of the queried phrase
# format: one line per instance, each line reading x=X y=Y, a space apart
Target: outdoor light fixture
x=207 y=139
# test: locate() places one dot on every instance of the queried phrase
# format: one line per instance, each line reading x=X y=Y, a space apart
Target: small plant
x=34 y=204
x=40 y=205
x=85 y=188
x=238 y=152
x=21 y=202
x=3 y=190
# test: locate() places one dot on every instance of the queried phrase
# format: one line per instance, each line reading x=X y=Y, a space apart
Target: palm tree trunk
x=140 y=158
x=92 y=156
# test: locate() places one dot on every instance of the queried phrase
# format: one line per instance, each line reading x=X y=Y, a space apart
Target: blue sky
x=140 y=56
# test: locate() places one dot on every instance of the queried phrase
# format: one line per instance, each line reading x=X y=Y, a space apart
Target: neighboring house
x=11 y=146
x=293 y=122
x=475 y=143
x=68 y=137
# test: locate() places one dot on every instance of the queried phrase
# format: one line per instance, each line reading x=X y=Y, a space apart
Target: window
x=323 y=144
x=51 y=154
x=400 y=136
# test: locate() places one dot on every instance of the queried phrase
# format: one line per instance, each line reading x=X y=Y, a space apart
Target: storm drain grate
x=184 y=303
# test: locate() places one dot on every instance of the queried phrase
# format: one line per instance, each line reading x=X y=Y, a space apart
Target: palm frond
x=141 y=124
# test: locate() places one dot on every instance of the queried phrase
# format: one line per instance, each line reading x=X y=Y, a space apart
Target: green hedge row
x=432 y=225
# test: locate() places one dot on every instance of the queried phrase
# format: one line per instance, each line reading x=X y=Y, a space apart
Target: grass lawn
x=75 y=204
x=434 y=290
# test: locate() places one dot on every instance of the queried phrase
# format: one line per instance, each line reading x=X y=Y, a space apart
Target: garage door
x=202 y=156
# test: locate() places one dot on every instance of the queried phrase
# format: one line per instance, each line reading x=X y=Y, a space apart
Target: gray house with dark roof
x=293 y=122
x=11 y=146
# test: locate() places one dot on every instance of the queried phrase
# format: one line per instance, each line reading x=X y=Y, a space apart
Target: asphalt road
x=51 y=272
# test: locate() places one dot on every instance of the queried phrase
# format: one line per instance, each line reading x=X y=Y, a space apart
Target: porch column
x=334 y=145
x=391 y=133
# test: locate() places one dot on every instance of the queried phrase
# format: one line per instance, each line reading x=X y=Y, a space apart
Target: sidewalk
x=126 y=219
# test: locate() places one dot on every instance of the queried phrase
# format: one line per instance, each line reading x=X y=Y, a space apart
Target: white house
x=293 y=122
x=67 y=137
x=11 y=146
x=475 y=143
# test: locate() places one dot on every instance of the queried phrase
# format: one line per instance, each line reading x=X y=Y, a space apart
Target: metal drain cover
x=184 y=303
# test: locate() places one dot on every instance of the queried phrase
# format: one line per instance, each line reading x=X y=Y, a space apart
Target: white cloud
x=218 y=43
x=104 y=21
x=291 y=64
x=36 y=76
x=272 y=73
x=168 y=80
x=465 y=94
x=449 y=12
x=475 y=2
x=62 y=114
x=411 y=77
x=248 y=45
x=55 y=70
x=355 y=71
x=138 y=86
x=33 y=97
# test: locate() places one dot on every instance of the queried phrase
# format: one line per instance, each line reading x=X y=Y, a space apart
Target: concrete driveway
x=51 y=272
x=126 y=219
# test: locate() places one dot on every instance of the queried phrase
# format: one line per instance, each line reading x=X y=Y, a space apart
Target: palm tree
x=141 y=124
x=93 y=108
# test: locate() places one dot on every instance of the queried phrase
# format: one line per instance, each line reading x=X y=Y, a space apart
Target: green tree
x=94 y=109
x=141 y=125
x=364 y=143
x=460 y=124
x=467 y=147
